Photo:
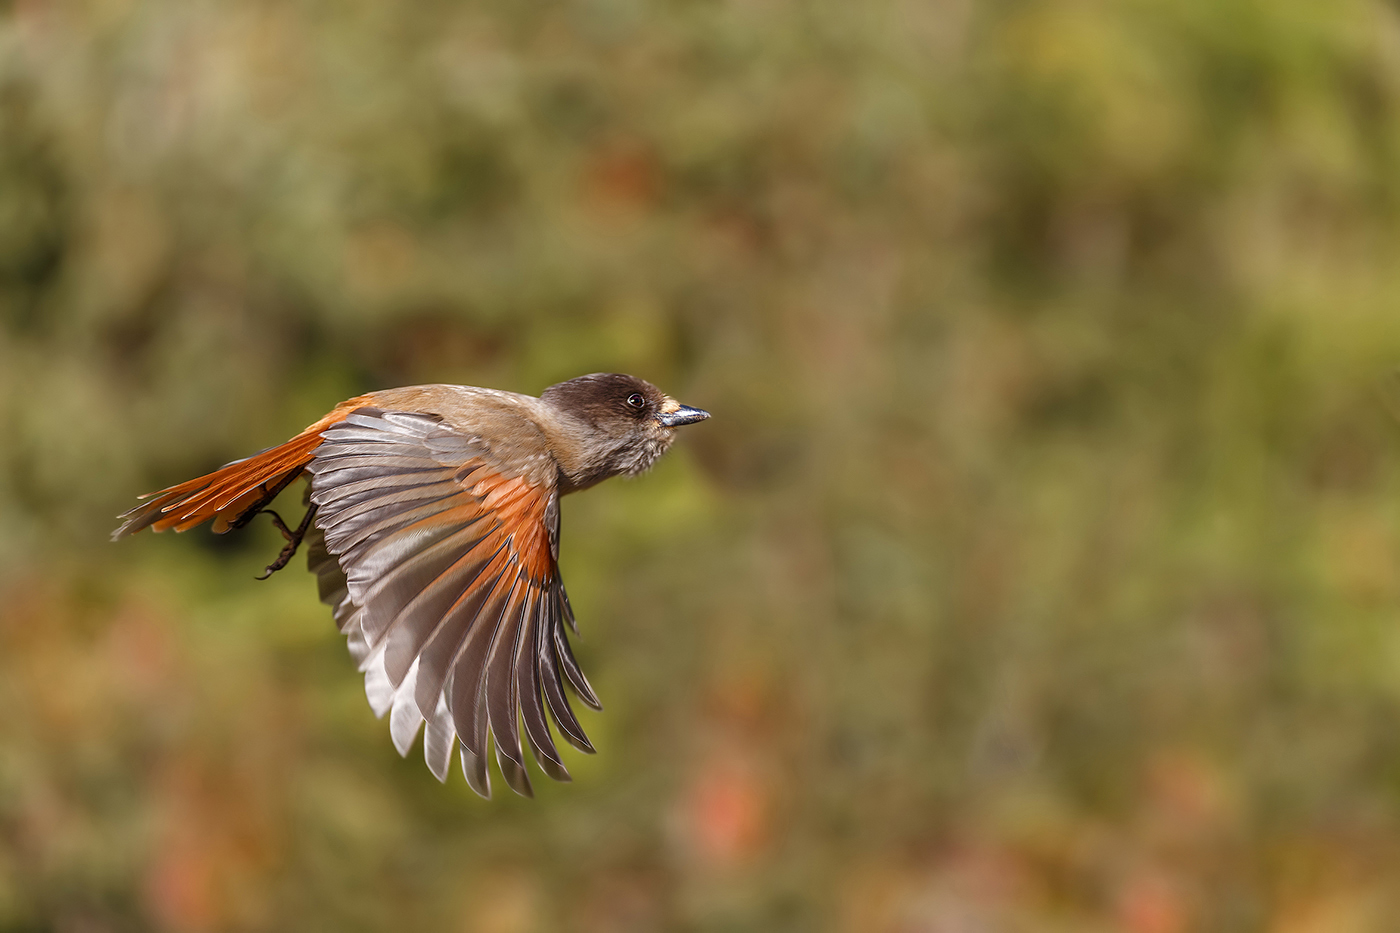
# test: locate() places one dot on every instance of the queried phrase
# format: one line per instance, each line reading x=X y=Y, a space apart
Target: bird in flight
x=432 y=526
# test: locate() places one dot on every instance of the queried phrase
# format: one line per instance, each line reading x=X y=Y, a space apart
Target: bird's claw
x=293 y=539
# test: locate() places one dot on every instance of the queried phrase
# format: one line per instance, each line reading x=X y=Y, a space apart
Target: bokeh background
x=1039 y=570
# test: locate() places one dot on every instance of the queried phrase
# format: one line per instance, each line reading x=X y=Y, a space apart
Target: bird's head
x=629 y=421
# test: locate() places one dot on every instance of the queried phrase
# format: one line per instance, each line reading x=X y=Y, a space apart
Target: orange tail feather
x=236 y=491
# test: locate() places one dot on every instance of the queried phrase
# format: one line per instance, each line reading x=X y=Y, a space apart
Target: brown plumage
x=436 y=543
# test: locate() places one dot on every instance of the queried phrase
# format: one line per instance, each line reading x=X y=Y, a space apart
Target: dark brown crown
x=606 y=397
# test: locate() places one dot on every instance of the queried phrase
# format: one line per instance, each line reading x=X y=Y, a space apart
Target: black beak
x=683 y=415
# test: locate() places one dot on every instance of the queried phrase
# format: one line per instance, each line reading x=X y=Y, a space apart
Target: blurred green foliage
x=1038 y=570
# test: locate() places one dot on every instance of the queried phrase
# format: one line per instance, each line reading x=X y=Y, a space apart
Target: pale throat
x=586 y=458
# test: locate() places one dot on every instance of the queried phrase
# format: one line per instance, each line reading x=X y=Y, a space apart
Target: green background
x=1039 y=569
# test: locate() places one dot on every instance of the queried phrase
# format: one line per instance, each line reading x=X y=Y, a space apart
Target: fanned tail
x=234 y=493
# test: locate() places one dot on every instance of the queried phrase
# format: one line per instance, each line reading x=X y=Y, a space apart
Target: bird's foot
x=293 y=539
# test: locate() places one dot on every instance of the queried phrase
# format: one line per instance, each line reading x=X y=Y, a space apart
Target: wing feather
x=424 y=616
x=438 y=740
x=565 y=654
x=532 y=714
x=502 y=694
x=440 y=564
x=404 y=716
x=554 y=693
x=475 y=771
x=459 y=646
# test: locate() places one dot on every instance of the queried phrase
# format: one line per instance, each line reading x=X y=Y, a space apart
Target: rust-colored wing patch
x=236 y=490
x=445 y=580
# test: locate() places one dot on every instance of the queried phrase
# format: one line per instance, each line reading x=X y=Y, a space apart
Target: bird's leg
x=293 y=539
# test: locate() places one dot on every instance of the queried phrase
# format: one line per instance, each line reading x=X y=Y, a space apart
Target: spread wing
x=441 y=566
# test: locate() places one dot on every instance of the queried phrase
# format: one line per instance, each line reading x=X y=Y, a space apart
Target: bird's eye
x=637 y=400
